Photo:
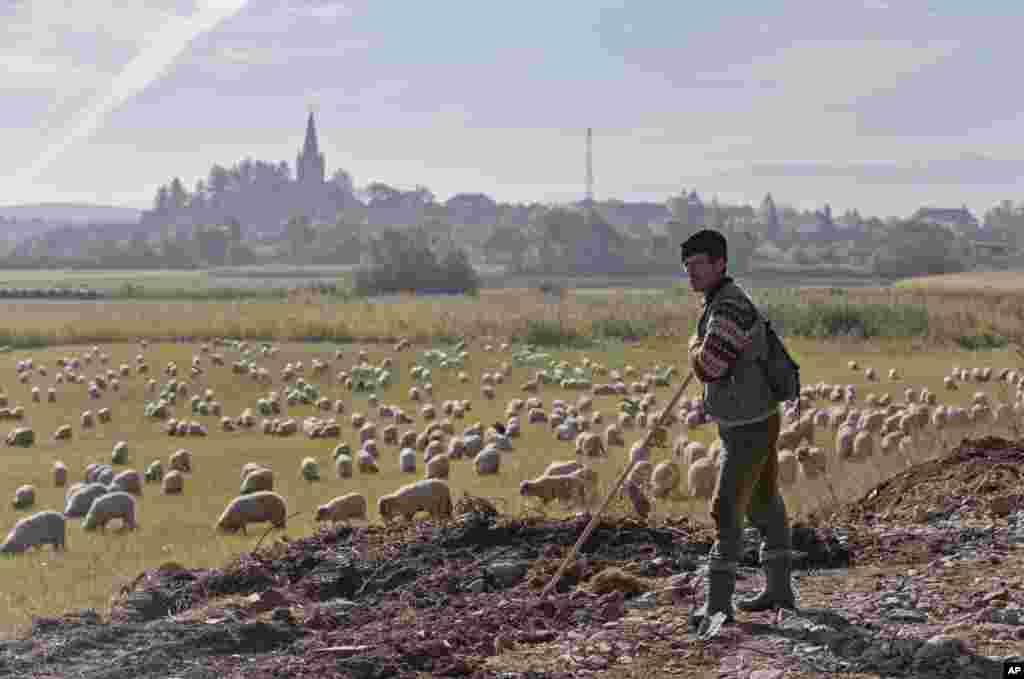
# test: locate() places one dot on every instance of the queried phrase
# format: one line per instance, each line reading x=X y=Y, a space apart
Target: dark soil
x=429 y=598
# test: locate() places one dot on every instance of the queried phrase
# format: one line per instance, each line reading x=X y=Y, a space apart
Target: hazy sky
x=885 y=105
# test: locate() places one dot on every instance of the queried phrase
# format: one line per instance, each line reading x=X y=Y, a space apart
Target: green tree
x=916 y=248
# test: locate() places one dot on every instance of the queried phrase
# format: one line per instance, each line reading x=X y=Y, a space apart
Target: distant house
x=960 y=220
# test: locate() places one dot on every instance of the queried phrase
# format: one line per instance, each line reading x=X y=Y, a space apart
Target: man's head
x=704 y=255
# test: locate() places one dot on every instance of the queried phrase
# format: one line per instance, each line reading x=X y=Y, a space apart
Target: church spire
x=309 y=148
x=310 y=166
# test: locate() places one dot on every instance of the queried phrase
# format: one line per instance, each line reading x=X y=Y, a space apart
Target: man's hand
x=694 y=342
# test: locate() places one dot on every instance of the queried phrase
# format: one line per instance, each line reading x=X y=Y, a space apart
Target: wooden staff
x=618 y=484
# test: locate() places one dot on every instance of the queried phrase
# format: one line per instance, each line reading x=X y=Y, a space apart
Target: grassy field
x=919 y=330
x=181 y=528
x=969 y=283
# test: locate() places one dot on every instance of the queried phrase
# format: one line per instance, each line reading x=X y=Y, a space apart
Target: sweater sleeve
x=728 y=334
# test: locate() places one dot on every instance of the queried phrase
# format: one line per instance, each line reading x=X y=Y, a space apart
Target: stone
x=938 y=648
x=507 y=573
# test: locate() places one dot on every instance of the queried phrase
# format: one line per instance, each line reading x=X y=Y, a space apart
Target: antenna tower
x=590 y=167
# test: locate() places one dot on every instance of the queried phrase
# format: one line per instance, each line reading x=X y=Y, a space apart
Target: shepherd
x=725 y=355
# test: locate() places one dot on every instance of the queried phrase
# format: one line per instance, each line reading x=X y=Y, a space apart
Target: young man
x=723 y=354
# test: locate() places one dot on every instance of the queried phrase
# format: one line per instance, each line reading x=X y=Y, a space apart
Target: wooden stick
x=618 y=484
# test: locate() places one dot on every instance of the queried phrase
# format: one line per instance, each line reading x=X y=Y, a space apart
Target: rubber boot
x=720 y=587
x=778 y=592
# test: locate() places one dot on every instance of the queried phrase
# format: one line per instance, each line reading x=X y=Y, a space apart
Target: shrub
x=982 y=341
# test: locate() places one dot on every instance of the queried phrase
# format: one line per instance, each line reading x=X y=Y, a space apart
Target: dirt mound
x=981 y=478
x=380 y=601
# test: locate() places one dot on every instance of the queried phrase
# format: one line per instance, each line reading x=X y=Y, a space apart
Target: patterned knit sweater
x=726 y=334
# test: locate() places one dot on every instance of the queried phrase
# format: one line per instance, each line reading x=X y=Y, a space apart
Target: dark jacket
x=731 y=339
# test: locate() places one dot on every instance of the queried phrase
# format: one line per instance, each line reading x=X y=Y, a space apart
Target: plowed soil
x=462 y=598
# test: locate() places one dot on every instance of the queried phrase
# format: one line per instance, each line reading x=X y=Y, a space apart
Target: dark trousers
x=748 y=485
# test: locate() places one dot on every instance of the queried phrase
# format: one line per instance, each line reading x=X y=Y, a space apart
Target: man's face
x=703 y=271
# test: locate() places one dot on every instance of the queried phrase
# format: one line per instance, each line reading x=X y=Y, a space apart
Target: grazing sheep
x=613 y=436
x=79 y=503
x=430 y=495
x=256 y=480
x=701 y=478
x=180 y=460
x=154 y=472
x=890 y=443
x=863 y=446
x=487 y=461
x=343 y=508
x=812 y=461
x=664 y=479
x=115 y=505
x=343 y=465
x=120 y=453
x=309 y=469
x=568 y=489
x=590 y=444
x=407 y=461
x=562 y=468
x=173 y=483
x=844 y=443
x=128 y=481
x=367 y=463
x=24 y=497
x=60 y=474
x=259 y=507
x=438 y=467
x=42 y=528
x=693 y=451
x=103 y=415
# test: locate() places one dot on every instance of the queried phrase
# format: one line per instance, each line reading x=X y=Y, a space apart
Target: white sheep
x=60 y=474
x=79 y=503
x=407 y=461
x=430 y=495
x=173 y=483
x=116 y=505
x=343 y=508
x=844 y=442
x=24 y=497
x=562 y=468
x=259 y=507
x=180 y=460
x=590 y=444
x=566 y=489
x=664 y=479
x=309 y=469
x=813 y=462
x=343 y=466
x=487 y=461
x=366 y=462
x=128 y=481
x=863 y=446
x=256 y=480
x=701 y=478
x=42 y=528
x=438 y=467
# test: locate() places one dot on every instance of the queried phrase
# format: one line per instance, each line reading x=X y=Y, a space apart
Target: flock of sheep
x=858 y=429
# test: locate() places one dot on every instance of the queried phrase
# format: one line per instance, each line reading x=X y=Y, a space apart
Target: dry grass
x=953 y=313
x=180 y=528
x=970 y=282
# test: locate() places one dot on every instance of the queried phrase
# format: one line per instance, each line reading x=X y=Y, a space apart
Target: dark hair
x=706 y=241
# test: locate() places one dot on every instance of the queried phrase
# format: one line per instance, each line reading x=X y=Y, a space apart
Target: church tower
x=309 y=165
